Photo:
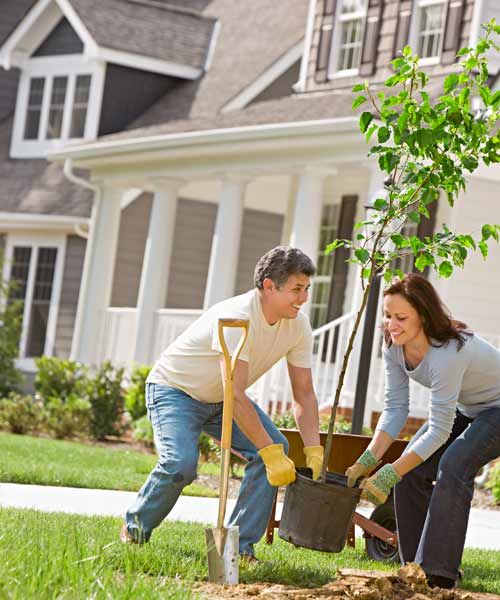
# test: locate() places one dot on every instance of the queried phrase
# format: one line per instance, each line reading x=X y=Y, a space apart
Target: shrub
x=342 y=425
x=143 y=431
x=105 y=395
x=494 y=482
x=68 y=418
x=59 y=378
x=135 y=396
x=20 y=414
x=209 y=450
x=11 y=314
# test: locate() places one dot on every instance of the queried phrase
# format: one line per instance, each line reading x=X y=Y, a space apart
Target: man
x=184 y=393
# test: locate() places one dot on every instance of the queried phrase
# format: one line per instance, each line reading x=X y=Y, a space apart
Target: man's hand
x=361 y=468
x=280 y=469
x=314 y=459
x=377 y=488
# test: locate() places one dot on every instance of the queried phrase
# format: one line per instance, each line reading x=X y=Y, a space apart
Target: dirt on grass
x=408 y=583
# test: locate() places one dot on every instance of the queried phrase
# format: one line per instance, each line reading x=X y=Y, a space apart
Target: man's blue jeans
x=177 y=421
x=432 y=517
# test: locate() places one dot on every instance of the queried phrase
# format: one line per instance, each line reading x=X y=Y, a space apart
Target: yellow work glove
x=361 y=468
x=314 y=459
x=279 y=468
x=377 y=488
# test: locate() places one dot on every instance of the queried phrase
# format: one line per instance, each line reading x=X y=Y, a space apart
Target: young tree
x=425 y=146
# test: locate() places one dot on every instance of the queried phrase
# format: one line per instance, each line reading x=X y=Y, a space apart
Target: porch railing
x=118 y=335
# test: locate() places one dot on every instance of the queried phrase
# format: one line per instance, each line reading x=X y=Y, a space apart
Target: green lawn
x=46 y=556
x=41 y=461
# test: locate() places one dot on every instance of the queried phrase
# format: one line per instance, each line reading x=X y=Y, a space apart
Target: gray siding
x=128 y=93
x=134 y=225
x=8 y=92
x=261 y=232
x=282 y=86
x=194 y=229
x=61 y=40
x=72 y=278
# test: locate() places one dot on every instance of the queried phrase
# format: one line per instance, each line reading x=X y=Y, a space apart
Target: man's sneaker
x=125 y=537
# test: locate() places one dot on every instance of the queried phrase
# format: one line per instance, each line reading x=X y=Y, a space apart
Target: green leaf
x=414 y=216
x=370 y=132
x=380 y=204
x=366 y=273
x=362 y=255
x=483 y=246
x=383 y=134
x=424 y=138
x=359 y=87
x=424 y=260
x=388 y=275
x=334 y=245
x=445 y=269
x=365 y=120
x=463 y=51
x=450 y=82
x=398 y=240
x=359 y=101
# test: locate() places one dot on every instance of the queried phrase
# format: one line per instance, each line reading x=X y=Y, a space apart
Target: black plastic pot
x=318 y=515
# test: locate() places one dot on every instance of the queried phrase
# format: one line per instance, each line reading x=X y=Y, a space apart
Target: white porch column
x=308 y=208
x=98 y=270
x=155 y=265
x=221 y=278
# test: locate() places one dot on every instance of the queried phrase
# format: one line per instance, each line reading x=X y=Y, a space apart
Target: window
x=348 y=36
x=36 y=269
x=428 y=39
x=59 y=100
x=323 y=279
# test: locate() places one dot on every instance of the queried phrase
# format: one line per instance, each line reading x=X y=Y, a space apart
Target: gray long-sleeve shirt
x=467 y=379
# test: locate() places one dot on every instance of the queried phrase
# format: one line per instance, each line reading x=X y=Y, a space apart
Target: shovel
x=222 y=542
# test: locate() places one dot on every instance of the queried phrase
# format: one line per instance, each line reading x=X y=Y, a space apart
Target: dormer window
x=348 y=37
x=428 y=30
x=59 y=100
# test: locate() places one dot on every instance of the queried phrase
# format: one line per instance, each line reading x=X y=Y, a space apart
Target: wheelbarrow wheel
x=376 y=548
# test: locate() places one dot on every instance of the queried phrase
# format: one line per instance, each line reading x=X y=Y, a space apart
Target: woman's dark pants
x=433 y=500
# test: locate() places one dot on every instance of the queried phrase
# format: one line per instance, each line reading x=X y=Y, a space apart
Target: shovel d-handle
x=228 y=407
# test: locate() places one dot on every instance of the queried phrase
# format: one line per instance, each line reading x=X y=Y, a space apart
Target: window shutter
x=329 y=7
x=371 y=37
x=325 y=40
x=452 y=31
x=402 y=31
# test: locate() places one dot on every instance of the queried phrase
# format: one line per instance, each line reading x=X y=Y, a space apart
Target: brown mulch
x=408 y=583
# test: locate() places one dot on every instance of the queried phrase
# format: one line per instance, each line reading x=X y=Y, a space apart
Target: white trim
x=48 y=68
x=77 y=24
x=35 y=241
x=130 y=196
x=197 y=138
x=475 y=26
x=211 y=49
x=30 y=221
x=265 y=79
x=146 y=63
x=300 y=86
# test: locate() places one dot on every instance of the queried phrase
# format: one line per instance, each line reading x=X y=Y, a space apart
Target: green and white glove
x=377 y=488
x=361 y=468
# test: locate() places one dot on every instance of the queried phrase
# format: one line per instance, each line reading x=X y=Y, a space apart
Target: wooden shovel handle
x=230 y=364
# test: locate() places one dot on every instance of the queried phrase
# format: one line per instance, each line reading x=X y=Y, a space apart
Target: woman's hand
x=377 y=488
x=361 y=468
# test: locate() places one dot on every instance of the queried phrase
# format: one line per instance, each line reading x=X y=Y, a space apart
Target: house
x=200 y=134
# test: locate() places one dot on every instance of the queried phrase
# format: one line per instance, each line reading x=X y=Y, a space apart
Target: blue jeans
x=433 y=500
x=177 y=421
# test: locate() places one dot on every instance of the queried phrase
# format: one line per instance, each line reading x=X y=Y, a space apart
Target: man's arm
x=305 y=407
x=245 y=414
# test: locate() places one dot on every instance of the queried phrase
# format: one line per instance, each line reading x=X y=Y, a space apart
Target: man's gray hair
x=281 y=262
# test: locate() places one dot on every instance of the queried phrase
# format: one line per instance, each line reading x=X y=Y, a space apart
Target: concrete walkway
x=483 y=531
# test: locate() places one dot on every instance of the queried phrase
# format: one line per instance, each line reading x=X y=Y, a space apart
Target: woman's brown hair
x=436 y=319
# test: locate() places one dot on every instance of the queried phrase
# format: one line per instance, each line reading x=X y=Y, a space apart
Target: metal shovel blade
x=223 y=554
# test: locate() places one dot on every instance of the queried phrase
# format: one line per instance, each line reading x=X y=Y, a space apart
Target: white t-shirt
x=192 y=362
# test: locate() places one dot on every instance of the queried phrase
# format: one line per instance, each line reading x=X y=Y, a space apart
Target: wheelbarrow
x=379 y=530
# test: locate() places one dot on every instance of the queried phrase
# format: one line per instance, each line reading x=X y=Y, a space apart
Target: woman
x=462 y=433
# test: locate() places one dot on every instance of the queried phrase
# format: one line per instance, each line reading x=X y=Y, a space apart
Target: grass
x=41 y=461
x=47 y=556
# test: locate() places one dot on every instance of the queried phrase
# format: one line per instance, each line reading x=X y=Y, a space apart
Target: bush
x=11 y=314
x=342 y=425
x=69 y=418
x=494 y=482
x=105 y=395
x=135 y=396
x=59 y=378
x=209 y=450
x=20 y=414
x=143 y=431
